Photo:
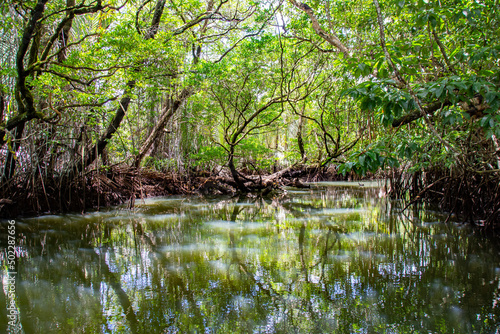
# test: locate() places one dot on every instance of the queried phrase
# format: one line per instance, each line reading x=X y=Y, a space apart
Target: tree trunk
x=111 y=129
x=10 y=160
x=300 y=141
x=64 y=36
x=2 y=107
x=99 y=147
x=234 y=173
x=160 y=125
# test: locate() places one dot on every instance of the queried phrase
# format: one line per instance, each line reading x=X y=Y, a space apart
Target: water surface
x=336 y=258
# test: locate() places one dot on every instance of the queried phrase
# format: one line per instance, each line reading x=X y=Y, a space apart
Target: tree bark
x=234 y=173
x=160 y=125
x=23 y=95
x=64 y=36
x=155 y=22
x=474 y=107
x=10 y=159
x=2 y=107
x=331 y=38
x=429 y=109
x=111 y=129
x=300 y=141
x=35 y=28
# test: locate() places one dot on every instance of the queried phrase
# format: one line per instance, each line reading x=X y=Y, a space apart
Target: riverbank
x=112 y=186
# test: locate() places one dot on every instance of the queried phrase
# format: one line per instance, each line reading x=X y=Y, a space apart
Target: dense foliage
x=255 y=86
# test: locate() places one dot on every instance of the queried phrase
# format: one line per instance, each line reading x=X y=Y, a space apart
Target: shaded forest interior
x=105 y=101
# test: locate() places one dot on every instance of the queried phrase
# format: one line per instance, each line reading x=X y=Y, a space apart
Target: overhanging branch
x=416 y=114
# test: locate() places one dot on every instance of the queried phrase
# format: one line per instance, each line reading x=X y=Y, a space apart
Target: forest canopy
x=409 y=89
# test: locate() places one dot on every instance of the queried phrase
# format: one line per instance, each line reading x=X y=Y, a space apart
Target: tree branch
x=330 y=38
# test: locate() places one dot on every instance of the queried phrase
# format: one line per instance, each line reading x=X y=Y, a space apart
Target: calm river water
x=336 y=258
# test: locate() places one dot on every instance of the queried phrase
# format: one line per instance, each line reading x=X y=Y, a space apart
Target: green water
x=336 y=258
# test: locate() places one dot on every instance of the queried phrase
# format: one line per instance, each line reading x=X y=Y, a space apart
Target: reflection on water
x=335 y=258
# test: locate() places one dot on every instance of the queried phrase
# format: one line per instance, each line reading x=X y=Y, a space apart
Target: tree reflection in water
x=329 y=259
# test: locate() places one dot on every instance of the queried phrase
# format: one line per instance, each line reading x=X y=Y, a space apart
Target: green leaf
x=476 y=86
x=439 y=91
x=485 y=121
x=490 y=97
x=361 y=160
x=372 y=155
x=433 y=20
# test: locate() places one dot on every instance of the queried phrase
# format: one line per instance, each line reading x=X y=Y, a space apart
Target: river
x=336 y=258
